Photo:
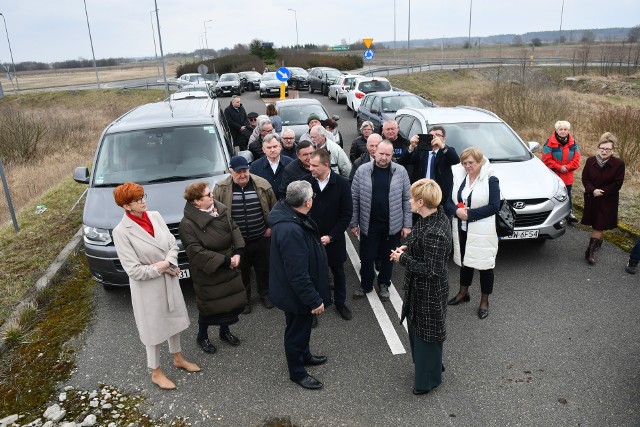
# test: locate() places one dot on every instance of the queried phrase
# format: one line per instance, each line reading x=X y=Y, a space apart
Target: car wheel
x=294 y=85
x=348 y=107
x=341 y=140
x=310 y=88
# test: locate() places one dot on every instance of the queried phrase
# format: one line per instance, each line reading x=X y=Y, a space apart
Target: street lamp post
x=295 y=14
x=205 y=32
x=155 y=48
x=10 y=52
x=95 y=66
x=409 y=37
x=560 y=31
x=469 y=36
x=164 y=69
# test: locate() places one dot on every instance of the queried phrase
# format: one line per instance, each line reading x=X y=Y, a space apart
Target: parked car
x=250 y=80
x=270 y=85
x=380 y=106
x=190 y=78
x=163 y=146
x=538 y=195
x=295 y=112
x=229 y=84
x=320 y=78
x=184 y=91
x=299 y=78
x=338 y=90
x=360 y=86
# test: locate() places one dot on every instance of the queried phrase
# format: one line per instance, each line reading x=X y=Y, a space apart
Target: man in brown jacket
x=250 y=199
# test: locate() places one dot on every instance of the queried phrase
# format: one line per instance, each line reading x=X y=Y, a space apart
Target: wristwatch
x=331 y=239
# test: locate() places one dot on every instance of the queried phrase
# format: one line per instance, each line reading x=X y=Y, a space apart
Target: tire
x=310 y=88
x=338 y=101
x=355 y=113
x=322 y=89
x=348 y=108
x=341 y=140
x=294 y=85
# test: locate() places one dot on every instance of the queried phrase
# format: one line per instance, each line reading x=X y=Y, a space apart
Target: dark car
x=320 y=78
x=380 y=106
x=270 y=85
x=229 y=84
x=250 y=80
x=299 y=78
x=296 y=112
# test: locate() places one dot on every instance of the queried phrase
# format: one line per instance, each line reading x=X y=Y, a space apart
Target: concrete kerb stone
x=42 y=283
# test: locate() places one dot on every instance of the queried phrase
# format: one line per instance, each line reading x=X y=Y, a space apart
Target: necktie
x=432 y=165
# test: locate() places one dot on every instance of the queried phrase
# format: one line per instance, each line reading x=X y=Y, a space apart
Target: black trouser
x=256 y=255
x=339 y=284
x=466 y=273
x=297 y=334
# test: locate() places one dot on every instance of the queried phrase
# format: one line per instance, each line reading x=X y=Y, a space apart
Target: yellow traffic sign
x=367 y=42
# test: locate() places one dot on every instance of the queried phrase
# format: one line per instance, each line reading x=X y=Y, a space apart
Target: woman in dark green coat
x=214 y=246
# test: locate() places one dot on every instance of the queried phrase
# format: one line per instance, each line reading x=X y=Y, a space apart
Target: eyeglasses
x=288 y=139
x=141 y=199
x=465 y=164
x=209 y=194
x=439 y=135
x=267 y=130
x=606 y=150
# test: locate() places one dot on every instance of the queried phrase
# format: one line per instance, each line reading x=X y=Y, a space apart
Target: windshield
x=374 y=86
x=391 y=104
x=496 y=140
x=298 y=72
x=170 y=154
x=269 y=76
x=228 y=78
x=298 y=114
x=332 y=74
x=253 y=74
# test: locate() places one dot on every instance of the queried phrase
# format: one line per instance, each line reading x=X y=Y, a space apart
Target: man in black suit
x=435 y=164
x=236 y=118
x=332 y=210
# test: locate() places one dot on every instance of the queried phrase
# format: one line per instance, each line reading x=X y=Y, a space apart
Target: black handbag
x=505 y=219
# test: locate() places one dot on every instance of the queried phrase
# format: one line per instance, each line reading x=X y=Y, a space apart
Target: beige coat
x=158 y=304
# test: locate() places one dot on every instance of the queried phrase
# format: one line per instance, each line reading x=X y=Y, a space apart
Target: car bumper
x=546 y=220
x=227 y=91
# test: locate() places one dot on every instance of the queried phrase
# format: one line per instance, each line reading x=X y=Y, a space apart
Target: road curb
x=42 y=283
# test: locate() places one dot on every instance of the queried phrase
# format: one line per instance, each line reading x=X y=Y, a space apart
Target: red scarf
x=143 y=222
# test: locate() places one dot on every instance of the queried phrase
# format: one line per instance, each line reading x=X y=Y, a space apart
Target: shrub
x=624 y=122
x=224 y=64
x=20 y=136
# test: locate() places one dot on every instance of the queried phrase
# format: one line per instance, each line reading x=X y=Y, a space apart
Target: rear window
x=391 y=104
x=157 y=155
x=374 y=86
x=298 y=114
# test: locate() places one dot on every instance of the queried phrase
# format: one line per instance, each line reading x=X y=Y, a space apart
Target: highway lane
x=557 y=329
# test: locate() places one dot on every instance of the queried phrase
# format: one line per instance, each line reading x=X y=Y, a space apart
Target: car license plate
x=275 y=89
x=184 y=274
x=523 y=234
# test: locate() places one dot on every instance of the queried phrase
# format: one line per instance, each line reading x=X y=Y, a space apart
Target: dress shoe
x=163 y=382
x=308 y=382
x=230 y=338
x=206 y=345
x=344 y=311
x=419 y=392
x=267 y=303
x=483 y=313
x=572 y=218
x=360 y=293
x=187 y=366
x=384 y=292
x=247 y=309
x=454 y=301
x=315 y=360
x=314 y=321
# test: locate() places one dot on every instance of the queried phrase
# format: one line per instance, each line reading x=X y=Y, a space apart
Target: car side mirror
x=335 y=117
x=534 y=146
x=81 y=175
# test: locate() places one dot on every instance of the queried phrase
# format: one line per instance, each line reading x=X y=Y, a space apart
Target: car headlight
x=96 y=236
x=561 y=194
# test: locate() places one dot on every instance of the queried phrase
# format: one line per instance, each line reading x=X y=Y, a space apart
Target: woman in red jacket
x=602 y=178
x=561 y=154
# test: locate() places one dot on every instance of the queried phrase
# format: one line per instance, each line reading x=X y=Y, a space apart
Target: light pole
x=408 y=36
x=155 y=49
x=469 y=37
x=560 y=32
x=164 y=69
x=394 y=30
x=205 y=32
x=95 y=66
x=295 y=14
x=10 y=52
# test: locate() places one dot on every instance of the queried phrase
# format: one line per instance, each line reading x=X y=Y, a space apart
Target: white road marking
x=389 y=332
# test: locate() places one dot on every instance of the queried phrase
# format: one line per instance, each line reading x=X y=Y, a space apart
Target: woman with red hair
x=149 y=254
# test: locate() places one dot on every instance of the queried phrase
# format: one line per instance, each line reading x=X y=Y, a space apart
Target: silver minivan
x=537 y=194
x=162 y=146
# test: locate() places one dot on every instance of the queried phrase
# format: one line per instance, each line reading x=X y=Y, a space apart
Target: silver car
x=537 y=194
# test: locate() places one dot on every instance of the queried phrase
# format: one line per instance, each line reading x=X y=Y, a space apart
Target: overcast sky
x=56 y=30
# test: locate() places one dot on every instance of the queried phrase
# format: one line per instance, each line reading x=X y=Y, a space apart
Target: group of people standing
x=285 y=219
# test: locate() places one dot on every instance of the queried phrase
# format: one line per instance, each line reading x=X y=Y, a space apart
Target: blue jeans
x=377 y=244
x=635 y=252
x=569 y=195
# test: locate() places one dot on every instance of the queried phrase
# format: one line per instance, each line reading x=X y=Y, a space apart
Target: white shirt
x=430 y=162
x=322 y=184
x=274 y=165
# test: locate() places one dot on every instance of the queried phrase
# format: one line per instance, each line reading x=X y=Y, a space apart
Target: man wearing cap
x=339 y=161
x=236 y=118
x=271 y=166
x=250 y=199
x=252 y=122
x=314 y=120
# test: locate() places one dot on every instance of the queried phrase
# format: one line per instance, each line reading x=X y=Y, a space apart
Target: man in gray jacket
x=381 y=215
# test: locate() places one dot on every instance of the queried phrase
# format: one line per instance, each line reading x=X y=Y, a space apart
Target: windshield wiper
x=506 y=160
x=178 y=178
x=109 y=184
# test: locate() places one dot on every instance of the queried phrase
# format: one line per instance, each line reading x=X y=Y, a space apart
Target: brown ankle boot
x=598 y=244
x=589 y=255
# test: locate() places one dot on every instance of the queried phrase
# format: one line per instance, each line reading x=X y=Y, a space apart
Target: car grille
x=173 y=228
x=531 y=219
x=529 y=202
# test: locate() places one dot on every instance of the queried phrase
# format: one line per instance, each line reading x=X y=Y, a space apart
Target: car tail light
x=359 y=95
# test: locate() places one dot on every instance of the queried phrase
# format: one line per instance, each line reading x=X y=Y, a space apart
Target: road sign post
x=283 y=74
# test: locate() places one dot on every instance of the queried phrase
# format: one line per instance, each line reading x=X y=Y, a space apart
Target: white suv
x=360 y=86
x=537 y=194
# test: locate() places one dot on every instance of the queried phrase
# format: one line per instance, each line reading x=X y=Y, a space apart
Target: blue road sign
x=283 y=74
x=368 y=55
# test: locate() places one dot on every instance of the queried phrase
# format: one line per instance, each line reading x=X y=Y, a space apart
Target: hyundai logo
x=519 y=205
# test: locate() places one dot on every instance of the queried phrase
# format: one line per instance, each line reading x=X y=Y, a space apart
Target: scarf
x=211 y=211
x=601 y=161
x=143 y=222
x=562 y=141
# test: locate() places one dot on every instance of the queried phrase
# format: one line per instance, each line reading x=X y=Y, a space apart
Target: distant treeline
x=71 y=63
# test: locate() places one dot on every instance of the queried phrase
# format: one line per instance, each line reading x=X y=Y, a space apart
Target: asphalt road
x=560 y=347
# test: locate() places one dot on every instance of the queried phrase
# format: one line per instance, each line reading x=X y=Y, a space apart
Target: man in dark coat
x=289 y=146
x=271 y=166
x=236 y=118
x=372 y=143
x=332 y=210
x=298 y=169
x=265 y=127
x=434 y=164
x=298 y=278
